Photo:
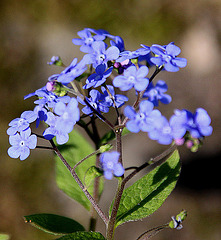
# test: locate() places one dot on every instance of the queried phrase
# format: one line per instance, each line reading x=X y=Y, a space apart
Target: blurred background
x=33 y=31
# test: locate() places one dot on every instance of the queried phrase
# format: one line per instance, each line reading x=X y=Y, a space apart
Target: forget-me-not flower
x=99 y=77
x=95 y=100
x=117 y=98
x=71 y=72
x=197 y=124
x=132 y=54
x=157 y=93
x=41 y=114
x=167 y=56
x=21 y=144
x=143 y=119
x=100 y=54
x=86 y=39
x=162 y=131
x=22 y=123
x=49 y=98
x=132 y=77
x=110 y=164
x=54 y=60
x=68 y=115
x=54 y=130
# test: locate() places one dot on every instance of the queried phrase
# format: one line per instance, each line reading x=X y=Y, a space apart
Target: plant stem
x=156 y=161
x=121 y=185
x=118 y=195
x=93 y=219
x=85 y=158
x=43 y=147
x=77 y=179
x=118 y=133
x=152 y=232
x=111 y=224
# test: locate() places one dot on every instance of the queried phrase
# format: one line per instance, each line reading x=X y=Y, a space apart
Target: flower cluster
x=108 y=67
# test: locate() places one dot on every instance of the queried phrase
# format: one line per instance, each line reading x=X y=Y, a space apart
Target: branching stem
x=122 y=183
x=77 y=179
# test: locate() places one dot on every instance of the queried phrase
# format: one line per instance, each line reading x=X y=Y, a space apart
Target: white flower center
x=94 y=105
x=65 y=115
x=89 y=40
x=166 y=130
x=110 y=165
x=20 y=121
x=101 y=57
x=131 y=79
x=22 y=143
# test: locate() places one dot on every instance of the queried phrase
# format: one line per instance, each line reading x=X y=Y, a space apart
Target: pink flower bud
x=50 y=86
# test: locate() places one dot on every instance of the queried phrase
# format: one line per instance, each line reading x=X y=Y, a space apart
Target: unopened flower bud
x=50 y=86
x=179 y=142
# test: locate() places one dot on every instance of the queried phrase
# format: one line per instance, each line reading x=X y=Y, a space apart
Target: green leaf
x=54 y=224
x=146 y=195
x=83 y=236
x=4 y=236
x=91 y=174
x=76 y=149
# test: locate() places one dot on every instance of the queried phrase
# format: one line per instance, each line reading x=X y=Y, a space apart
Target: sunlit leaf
x=147 y=194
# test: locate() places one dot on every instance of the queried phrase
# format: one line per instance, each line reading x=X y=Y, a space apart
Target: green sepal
x=134 y=61
x=105 y=148
x=147 y=194
x=53 y=224
x=181 y=216
x=83 y=236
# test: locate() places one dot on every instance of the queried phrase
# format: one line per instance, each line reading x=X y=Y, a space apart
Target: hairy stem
x=152 y=232
x=118 y=195
x=157 y=160
x=77 y=179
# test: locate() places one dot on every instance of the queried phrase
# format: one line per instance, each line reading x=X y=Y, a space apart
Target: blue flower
x=197 y=124
x=21 y=144
x=117 y=42
x=99 y=77
x=166 y=56
x=156 y=93
x=99 y=31
x=118 y=99
x=100 y=54
x=86 y=40
x=145 y=58
x=143 y=119
x=110 y=165
x=132 y=77
x=95 y=101
x=130 y=55
x=55 y=60
x=49 y=98
x=162 y=131
x=68 y=115
x=70 y=73
x=22 y=123
x=41 y=114
x=54 y=130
